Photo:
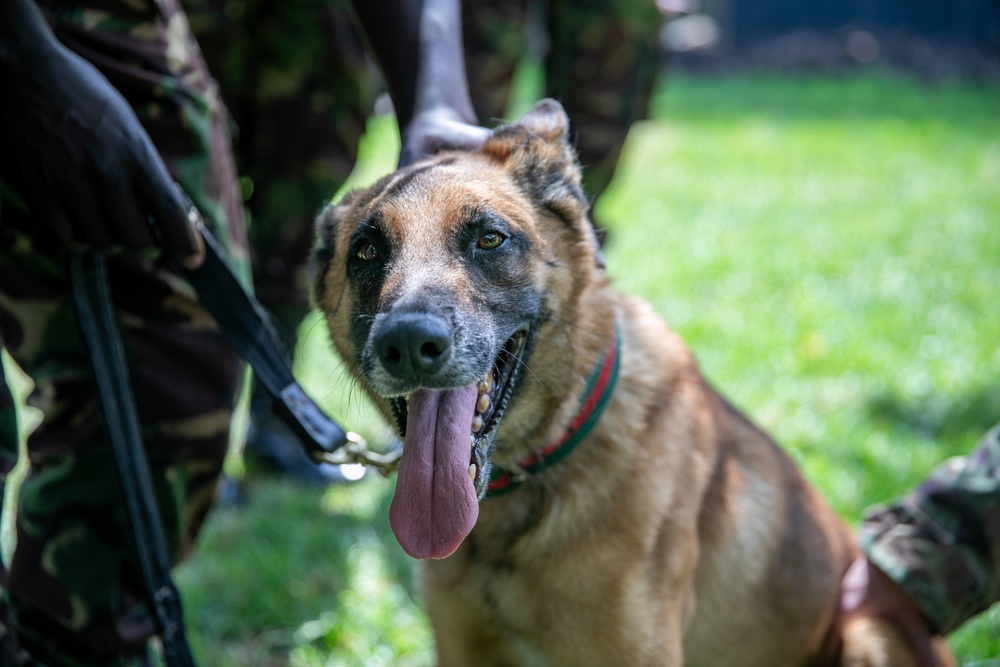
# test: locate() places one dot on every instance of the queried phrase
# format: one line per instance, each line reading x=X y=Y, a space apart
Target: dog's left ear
x=546 y=120
x=536 y=151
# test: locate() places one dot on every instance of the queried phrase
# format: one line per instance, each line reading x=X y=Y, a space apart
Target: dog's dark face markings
x=432 y=302
x=434 y=283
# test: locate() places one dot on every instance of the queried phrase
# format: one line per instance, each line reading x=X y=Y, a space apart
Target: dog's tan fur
x=677 y=532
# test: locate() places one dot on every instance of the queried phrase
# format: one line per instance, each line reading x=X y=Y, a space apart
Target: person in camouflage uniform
x=109 y=101
x=932 y=559
x=185 y=377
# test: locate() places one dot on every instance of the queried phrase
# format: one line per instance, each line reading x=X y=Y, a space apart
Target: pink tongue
x=435 y=503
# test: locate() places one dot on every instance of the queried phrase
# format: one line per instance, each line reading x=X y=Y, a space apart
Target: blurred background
x=934 y=39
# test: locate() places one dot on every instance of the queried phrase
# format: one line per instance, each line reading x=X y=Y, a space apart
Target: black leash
x=101 y=335
x=246 y=326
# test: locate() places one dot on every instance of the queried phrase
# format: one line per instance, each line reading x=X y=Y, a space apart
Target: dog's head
x=437 y=284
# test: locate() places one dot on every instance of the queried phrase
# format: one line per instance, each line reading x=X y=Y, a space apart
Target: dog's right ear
x=536 y=151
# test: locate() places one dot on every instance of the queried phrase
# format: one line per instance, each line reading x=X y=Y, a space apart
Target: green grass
x=827 y=246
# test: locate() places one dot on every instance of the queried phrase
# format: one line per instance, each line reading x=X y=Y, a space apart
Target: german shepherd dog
x=577 y=492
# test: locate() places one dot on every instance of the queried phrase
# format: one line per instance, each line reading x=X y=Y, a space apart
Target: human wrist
x=442 y=83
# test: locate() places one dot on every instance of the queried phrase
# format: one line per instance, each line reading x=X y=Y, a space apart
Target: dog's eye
x=490 y=240
x=367 y=251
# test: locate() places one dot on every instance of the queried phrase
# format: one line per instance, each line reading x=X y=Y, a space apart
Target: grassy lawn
x=827 y=246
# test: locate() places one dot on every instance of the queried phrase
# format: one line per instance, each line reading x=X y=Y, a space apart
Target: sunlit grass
x=830 y=261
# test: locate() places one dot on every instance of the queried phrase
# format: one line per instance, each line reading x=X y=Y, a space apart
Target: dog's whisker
x=523 y=365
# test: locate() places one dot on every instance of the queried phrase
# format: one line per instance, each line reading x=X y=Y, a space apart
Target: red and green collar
x=592 y=403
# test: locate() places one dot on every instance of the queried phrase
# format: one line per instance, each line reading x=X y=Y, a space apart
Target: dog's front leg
x=466 y=631
x=466 y=639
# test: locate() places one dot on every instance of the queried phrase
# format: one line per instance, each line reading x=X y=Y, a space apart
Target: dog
x=576 y=492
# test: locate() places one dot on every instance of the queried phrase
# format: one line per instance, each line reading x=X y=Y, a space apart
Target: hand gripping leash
x=246 y=326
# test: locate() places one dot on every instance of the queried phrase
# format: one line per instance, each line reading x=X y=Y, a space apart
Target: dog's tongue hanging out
x=435 y=504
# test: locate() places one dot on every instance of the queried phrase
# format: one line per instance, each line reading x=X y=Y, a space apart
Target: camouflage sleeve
x=942 y=542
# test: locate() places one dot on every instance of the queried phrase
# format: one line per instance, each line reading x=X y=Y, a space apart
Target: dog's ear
x=322 y=255
x=537 y=152
x=547 y=120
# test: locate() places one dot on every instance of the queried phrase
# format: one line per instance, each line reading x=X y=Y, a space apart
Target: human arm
x=868 y=591
x=418 y=45
x=932 y=559
x=74 y=158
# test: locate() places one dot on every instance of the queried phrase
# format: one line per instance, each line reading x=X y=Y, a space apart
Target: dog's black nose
x=413 y=345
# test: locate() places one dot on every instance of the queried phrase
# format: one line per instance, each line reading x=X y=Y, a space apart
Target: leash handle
x=102 y=337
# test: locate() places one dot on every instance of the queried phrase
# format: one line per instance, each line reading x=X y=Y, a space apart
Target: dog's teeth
x=484 y=385
x=472 y=471
x=489 y=380
x=477 y=423
x=484 y=404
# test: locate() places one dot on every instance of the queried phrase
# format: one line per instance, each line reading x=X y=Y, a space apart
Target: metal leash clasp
x=356 y=451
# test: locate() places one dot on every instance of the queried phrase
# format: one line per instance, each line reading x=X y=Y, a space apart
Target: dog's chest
x=511 y=570
x=526 y=607
x=536 y=592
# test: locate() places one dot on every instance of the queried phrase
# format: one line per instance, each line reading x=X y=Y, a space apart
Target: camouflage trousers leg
x=74 y=589
x=601 y=65
x=495 y=41
x=299 y=87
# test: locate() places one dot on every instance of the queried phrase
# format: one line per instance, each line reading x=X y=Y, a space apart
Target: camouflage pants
x=73 y=589
x=600 y=64
x=299 y=89
x=942 y=542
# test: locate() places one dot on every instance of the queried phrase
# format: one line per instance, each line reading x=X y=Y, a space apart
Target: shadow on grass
x=298 y=569
x=948 y=420
x=811 y=98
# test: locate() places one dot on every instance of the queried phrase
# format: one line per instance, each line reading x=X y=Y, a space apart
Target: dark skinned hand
x=437 y=130
x=80 y=161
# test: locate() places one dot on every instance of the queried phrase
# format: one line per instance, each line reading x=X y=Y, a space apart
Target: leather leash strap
x=101 y=335
x=246 y=327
